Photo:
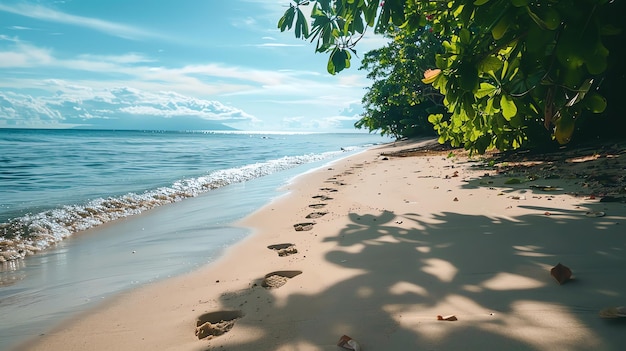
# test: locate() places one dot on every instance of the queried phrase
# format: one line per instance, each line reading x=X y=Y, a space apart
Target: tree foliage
x=512 y=72
x=398 y=103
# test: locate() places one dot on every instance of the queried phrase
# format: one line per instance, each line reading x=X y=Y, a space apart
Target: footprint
x=330 y=190
x=303 y=226
x=314 y=215
x=317 y=206
x=284 y=249
x=277 y=279
x=213 y=324
x=322 y=197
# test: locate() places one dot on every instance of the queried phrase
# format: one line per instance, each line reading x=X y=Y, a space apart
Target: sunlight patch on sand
x=509 y=281
x=552 y=327
x=401 y=288
x=440 y=269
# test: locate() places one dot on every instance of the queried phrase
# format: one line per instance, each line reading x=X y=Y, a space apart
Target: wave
x=26 y=235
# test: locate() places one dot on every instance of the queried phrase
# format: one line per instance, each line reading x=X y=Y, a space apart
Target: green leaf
x=500 y=29
x=330 y=67
x=302 y=25
x=370 y=12
x=508 y=107
x=338 y=61
x=595 y=102
x=464 y=36
x=564 y=128
x=468 y=76
x=490 y=64
x=480 y=2
x=536 y=18
x=484 y=90
x=552 y=19
x=286 y=21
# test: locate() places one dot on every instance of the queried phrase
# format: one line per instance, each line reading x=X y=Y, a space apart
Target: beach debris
x=277 y=279
x=456 y=199
x=285 y=249
x=455 y=174
x=317 y=206
x=214 y=324
x=545 y=187
x=595 y=214
x=348 y=343
x=561 y=273
x=303 y=226
x=330 y=190
x=613 y=312
x=518 y=197
x=450 y=318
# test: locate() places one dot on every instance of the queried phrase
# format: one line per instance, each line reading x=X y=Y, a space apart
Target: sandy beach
x=377 y=245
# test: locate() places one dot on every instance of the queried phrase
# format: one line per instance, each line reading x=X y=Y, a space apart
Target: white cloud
x=277 y=45
x=25 y=55
x=75 y=104
x=20 y=28
x=47 y=14
x=120 y=59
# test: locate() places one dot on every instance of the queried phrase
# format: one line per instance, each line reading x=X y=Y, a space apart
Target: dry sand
x=393 y=243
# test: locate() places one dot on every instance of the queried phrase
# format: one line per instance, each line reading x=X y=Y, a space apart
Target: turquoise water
x=54 y=183
x=96 y=213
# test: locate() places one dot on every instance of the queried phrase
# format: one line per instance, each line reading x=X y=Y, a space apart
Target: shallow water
x=54 y=183
x=91 y=267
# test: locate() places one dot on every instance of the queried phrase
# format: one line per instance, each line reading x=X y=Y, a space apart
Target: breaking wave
x=31 y=233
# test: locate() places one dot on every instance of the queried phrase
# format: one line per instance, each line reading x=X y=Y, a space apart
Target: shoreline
x=403 y=240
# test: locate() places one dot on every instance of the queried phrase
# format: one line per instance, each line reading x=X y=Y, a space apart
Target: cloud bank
x=122 y=107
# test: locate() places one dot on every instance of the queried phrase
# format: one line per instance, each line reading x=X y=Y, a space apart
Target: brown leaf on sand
x=348 y=343
x=447 y=318
x=613 y=312
x=561 y=273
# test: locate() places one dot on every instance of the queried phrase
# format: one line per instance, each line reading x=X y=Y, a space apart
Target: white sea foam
x=28 y=234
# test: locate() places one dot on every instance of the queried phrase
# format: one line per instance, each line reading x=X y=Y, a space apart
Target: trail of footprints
x=211 y=325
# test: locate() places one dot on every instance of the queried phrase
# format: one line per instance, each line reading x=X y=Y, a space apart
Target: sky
x=157 y=64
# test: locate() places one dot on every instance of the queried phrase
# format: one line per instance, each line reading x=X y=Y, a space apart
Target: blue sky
x=148 y=64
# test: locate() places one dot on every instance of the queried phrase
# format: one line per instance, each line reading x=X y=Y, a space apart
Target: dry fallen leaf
x=561 y=273
x=447 y=318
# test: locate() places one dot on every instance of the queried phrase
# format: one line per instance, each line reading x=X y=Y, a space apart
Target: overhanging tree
x=513 y=72
x=398 y=103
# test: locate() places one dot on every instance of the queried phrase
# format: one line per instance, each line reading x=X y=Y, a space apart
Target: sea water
x=87 y=214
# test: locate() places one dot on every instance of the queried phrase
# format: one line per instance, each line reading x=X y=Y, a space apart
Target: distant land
x=155 y=123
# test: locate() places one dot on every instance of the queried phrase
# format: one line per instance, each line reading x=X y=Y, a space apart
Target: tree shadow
x=492 y=273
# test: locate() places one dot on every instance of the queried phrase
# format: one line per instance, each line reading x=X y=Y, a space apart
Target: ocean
x=87 y=214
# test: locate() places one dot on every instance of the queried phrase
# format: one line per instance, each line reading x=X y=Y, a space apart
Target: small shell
x=614 y=312
x=348 y=343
